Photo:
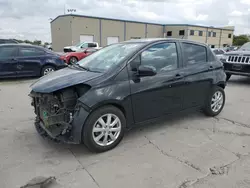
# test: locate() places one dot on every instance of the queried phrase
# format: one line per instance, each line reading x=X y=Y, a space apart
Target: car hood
x=69 y=47
x=62 y=79
x=240 y=52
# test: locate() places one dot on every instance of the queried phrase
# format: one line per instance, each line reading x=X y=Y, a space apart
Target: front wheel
x=215 y=102
x=104 y=129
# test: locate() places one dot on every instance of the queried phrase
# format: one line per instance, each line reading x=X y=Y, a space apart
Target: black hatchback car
x=21 y=60
x=124 y=85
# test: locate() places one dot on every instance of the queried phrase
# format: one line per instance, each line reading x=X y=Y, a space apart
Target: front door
x=8 y=61
x=199 y=75
x=29 y=61
x=155 y=96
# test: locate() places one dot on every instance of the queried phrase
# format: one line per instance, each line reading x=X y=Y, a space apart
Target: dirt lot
x=188 y=151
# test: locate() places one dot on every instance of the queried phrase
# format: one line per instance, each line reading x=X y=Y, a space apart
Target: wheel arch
x=221 y=84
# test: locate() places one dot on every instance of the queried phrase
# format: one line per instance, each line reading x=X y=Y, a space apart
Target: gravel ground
x=183 y=151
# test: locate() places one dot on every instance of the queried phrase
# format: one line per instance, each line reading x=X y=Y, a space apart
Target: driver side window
x=163 y=57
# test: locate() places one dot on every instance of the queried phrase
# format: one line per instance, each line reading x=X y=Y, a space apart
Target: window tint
x=182 y=32
x=194 y=53
x=169 y=33
x=191 y=32
x=200 y=33
x=92 y=45
x=163 y=57
x=8 y=52
x=29 y=51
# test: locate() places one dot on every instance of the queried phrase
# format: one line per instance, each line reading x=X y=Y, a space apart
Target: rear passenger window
x=29 y=52
x=194 y=53
x=8 y=52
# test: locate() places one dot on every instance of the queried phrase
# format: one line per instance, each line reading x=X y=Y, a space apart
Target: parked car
x=218 y=52
x=8 y=41
x=237 y=62
x=81 y=45
x=230 y=48
x=20 y=60
x=73 y=57
x=124 y=85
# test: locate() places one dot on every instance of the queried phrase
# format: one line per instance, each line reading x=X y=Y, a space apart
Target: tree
x=37 y=42
x=240 y=40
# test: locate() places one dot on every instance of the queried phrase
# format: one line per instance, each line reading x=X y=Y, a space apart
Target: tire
x=89 y=135
x=73 y=60
x=208 y=109
x=47 y=69
x=228 y=76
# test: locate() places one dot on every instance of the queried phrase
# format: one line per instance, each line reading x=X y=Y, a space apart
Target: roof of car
x=152 y=40
x=22 y=44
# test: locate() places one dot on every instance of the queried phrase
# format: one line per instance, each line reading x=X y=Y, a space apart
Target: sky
x=30 y=19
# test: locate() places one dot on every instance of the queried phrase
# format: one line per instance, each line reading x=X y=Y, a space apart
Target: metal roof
x=192 y=25
x=112 y=19
x=131 y=21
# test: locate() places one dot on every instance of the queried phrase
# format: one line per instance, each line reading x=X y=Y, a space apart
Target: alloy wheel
x=73 y=60
x=48 y=70
x=217 y=101
x=106 y=130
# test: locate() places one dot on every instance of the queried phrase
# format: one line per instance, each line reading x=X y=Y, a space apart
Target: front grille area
x=238 y=59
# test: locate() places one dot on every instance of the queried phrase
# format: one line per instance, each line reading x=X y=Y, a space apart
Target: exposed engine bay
x=55 y=110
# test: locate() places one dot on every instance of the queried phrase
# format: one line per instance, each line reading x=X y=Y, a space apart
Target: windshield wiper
x=79 y=67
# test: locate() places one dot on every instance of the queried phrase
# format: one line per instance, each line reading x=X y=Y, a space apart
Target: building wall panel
x=61 y=33
x=135 y=30
x=85 y=26
x=110 y=28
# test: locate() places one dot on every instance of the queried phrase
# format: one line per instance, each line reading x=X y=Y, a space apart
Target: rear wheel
x=228 y=76
x=73 y=60
x=104 y=129
x=215 y=102
x=47 y=69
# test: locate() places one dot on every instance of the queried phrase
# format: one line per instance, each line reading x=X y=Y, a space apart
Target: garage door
x=112 y=40
x=86 y=38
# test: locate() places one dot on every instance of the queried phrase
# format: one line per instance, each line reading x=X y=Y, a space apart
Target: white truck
x=80 y=46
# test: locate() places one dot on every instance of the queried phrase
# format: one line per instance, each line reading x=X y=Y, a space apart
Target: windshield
x=246 y=46
x=79 y=44
x=108 y=57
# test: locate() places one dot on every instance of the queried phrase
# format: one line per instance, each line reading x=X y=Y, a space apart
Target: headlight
x=223 y=58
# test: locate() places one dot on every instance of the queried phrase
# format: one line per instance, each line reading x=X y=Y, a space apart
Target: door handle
x=210 y=67
x=178 y=76
x=14 y=59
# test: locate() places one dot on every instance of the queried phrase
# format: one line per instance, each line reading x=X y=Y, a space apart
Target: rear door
x=30 y=61
x=199 y=74
x=8 y=61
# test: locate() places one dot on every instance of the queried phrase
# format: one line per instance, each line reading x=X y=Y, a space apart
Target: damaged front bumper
x=70 y=133
x=58 y=121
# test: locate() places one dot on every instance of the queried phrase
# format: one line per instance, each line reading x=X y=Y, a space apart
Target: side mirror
x=146 y=71
x=135 y=63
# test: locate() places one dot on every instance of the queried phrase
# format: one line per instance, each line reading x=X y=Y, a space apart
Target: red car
x=73 y=57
